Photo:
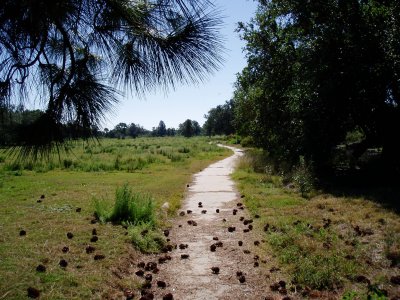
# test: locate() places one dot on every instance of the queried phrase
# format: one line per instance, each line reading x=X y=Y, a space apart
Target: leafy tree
x=135 y=130
x=189 y=128
x=196 y=128
x=121 y=129
x=13 y=121
x=73 y=53
x=161 y=130
x=219 y=120
x=171 y=132
x=318 y=70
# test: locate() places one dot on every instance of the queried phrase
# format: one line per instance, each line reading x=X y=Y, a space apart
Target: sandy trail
x=193 y=278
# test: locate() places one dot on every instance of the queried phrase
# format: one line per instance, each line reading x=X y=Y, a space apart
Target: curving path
x=192 y=277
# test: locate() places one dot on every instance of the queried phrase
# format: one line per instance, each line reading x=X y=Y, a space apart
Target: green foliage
x=247 y=141
x=303 y=177
x=101 y=211
x=219 y=120
x=78 y=43
x=132 y=208
x=375 y=293
x=137 y=211
x=351 y=295
x=354 y=136
x=189 y=128
x=317 y=72
x=129 y=208
x=146 y=238
x=129 y=155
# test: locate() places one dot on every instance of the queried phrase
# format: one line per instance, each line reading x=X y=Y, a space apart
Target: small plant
x=302 y=177
x=146 y=238
x=132 y=208
x=375 y=293
x=183 y=150
x=350 y=295
x=247 y=141
x=136 y=211
x=129 y=208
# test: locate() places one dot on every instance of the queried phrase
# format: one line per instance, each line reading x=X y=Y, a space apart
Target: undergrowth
x=322 y=242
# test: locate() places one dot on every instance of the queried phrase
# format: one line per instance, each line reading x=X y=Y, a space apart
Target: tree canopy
x=189 y=128
x=318 y=70
x=220 y=119
x=72 y=55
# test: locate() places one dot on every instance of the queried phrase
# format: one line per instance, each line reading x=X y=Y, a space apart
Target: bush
x=302 y=177
x=247 y=141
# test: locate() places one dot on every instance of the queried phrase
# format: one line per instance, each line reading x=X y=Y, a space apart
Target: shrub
x=302 y=177
x=247 y=141
x=13 y=166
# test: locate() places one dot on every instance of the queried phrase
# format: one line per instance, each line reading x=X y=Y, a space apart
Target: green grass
x=314 y=252
x=92 y=173
x=137 y=212
x=129 y=208
x=146 y=238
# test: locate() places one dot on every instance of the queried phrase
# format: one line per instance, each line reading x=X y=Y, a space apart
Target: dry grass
x=325 y=243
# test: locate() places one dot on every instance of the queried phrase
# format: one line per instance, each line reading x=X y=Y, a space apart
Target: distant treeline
x=121 y=130
x=17 y=122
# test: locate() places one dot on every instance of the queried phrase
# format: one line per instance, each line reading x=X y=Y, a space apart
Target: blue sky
x=192 y=102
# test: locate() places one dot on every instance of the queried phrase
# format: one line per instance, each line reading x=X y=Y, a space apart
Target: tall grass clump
x=137 y=211
x=129 y=208
x=132 y=208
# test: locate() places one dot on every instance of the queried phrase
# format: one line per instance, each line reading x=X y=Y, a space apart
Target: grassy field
x=328 y=246
x=40 y=203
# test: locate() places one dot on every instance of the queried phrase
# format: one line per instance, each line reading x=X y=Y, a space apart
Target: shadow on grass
x=373 y=183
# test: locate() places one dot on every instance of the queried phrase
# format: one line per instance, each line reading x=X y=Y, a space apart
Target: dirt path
x=188 y=272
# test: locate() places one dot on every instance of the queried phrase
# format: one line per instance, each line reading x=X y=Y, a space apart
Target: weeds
x=146 y=238
x=302 y=177
x=129 y=208
x=136 y=211
x=325 y=242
